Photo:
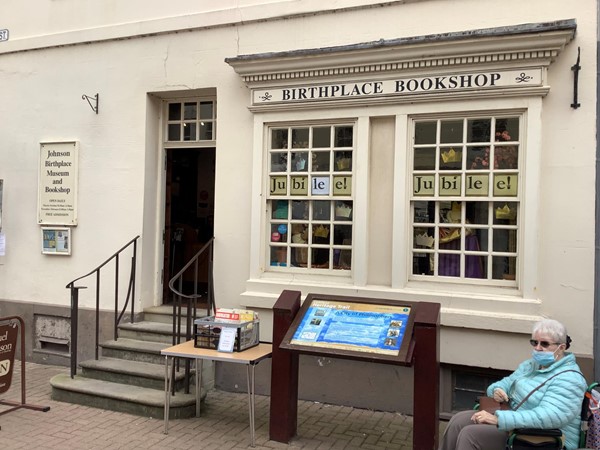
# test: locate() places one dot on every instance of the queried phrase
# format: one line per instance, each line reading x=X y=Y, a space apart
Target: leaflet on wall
x=57 y=187
x=347 y=325
x=56 y=241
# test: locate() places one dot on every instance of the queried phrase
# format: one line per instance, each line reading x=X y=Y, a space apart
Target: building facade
x=361 y=148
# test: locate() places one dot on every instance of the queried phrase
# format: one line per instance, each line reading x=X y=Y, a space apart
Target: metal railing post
x=116 y=334
x=74 y=326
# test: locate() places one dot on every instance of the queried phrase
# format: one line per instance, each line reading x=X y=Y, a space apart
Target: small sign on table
x=227 y=339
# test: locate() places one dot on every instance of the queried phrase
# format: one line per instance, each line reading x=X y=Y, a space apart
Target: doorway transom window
x=191 y=121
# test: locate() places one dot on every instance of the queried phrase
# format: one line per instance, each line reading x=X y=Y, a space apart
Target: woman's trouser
x=462 y=434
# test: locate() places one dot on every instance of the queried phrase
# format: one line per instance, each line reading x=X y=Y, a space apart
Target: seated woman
x=556 y=404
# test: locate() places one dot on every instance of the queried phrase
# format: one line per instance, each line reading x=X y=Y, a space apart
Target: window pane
x=320 y=258
x=279 y=256
x=503 y=268
x=299 y=256
x=343 y=161
x=505 y=213
x=320 y=161
x=342 y=235
x=299 y=161
x=478 y=130
x=425 y=132
x=506 y=157
x=505 y=240
x=321 y=210
x=278 y=232
x=279 y=139
x=299 y=233
x=279 y=162
x=450 y=158
x=477 y=212
x=507 y=129
x=342 y=259
x=424 y=158
x=424 y=212
x=280 y=210
x=300 y=138
x=174 y=111
x=478 y=158
x=343 y=210
x=189 y=131
x=174 y=133
x=423 y=237
x=189 y=112
x=206 y=110
x=423 y=263
x=206 y=131
x=451 y=132
x=299 y=209
x=343 y=137
x=321 y=137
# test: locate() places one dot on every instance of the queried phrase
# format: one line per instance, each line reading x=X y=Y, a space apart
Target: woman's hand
x=500 y=395
x=484 y=417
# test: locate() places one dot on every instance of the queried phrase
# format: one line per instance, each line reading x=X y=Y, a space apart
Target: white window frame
x=530 y=108
x=434 y=251
x=198 y=121
x=331 y=198
x=259 y=245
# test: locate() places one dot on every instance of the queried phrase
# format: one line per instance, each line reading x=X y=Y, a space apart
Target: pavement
x=223 y=423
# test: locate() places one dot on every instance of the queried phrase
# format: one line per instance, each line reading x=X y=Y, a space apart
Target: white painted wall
x=68 y=48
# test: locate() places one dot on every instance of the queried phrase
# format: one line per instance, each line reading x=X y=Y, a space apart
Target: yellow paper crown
x=424 y=240
x=505 y=213
x=343 y=210
x=321 y=231
x=451 y=156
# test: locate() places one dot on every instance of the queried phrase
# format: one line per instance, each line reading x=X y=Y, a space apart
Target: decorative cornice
x=520 y=45
x=350 y=71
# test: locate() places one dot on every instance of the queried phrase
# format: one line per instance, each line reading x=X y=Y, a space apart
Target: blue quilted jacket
x=557 y=404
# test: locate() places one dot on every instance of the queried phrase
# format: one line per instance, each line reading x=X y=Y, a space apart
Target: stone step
x=148 y=331
x=133 y=373
x=164 y=314
x=135 y=350
x=121 y=397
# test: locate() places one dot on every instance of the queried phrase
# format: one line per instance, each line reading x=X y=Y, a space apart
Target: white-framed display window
x=310 y=205
x=56 y=240
x=465 y=203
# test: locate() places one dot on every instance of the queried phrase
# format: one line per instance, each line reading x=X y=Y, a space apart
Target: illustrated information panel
x=362 y=327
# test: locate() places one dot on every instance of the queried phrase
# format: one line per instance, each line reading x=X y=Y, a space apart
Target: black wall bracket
x=576 y=68
x=95 y=99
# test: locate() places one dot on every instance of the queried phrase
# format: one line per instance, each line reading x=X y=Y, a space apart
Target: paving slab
x=223 y=424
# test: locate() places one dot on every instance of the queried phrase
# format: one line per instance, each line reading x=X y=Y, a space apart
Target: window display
x=310 y=197
x=465 y=199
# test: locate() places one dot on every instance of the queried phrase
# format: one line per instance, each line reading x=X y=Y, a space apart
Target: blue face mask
x=543 y=358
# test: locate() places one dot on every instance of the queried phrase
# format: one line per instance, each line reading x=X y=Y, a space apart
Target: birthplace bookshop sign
x=399 y=87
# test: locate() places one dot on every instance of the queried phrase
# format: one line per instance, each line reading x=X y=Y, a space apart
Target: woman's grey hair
x=552 y=328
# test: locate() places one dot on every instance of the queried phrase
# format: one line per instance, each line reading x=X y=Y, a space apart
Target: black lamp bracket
x=576 y=68
x=95 y=99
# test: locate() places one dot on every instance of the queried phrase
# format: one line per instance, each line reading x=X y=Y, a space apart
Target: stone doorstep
x=131 y=372
x=120 y=397
x=149 y=331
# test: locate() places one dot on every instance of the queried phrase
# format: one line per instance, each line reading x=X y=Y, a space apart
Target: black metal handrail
x=191 y=301
x=118 y=316
x=192 y=298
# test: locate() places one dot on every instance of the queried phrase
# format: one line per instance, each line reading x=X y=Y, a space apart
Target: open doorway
x=189 y=211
